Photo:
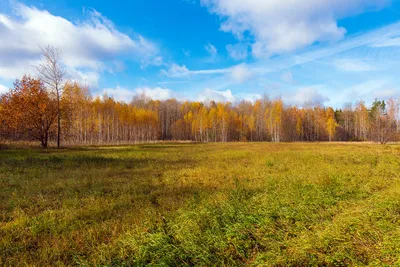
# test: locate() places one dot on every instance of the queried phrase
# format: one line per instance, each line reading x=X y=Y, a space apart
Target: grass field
x=201 y=204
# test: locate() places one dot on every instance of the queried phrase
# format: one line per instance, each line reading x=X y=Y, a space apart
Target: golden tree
x=330 y=123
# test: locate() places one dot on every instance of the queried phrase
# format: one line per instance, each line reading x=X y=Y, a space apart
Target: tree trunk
x=58 y=128
x=44 y=140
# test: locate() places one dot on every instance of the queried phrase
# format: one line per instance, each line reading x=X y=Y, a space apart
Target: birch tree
x=53 y=75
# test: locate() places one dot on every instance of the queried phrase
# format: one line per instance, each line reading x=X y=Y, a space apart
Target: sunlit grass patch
x=228 y=204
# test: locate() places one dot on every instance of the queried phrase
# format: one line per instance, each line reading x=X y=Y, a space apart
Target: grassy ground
x=201 y=204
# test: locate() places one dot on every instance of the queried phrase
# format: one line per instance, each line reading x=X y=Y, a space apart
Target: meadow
x=215 y=204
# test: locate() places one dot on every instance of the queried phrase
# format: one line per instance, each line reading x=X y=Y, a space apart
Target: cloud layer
x=86 y=46
x=283 y=26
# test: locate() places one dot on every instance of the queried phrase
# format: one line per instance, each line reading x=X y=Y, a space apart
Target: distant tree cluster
x=42 y=108
x=29 y=111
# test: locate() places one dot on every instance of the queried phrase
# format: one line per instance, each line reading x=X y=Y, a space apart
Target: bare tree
x=52 y=74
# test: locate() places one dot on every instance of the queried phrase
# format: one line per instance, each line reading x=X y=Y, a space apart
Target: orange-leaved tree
x=28 y=110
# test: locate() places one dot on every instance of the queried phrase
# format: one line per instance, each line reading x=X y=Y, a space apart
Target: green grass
x=230 y=204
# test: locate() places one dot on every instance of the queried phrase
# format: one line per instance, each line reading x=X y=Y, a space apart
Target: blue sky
x=330 y=52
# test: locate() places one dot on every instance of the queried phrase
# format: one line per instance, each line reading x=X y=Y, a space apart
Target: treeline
x=30 y=111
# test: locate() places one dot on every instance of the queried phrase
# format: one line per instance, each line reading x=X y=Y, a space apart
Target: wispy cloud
x=387 y=94
x=287 y=77
x=279 y=27
x=315 y=53
x=176 y=70
x=186 y=52
x=352 y=65
x=387 y=42
x=238 y=51
x=211 y=50
x=366 y=91
x=212 y=53
x=173 y=82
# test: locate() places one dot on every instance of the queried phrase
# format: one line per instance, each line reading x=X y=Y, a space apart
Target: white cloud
x=306 y=96
x=85 y=45
x=287 y=77
x=186 y=52
x=173 y=82
x=84 y=77
x=3 y=89
x=248 y=97
x=218 y=96
x=118 y=66
x=241 y=73
x=119 y=94
x=126 y=95
x=176 y=70
x=284 y=26
x=155 y=93
x=237 y=51
x=285 y=62
x=366 y=89
x=226 y=96
x=211 y=50
x=238 y=74
x=154 y=61
x=387 y=42
x=386 y=94
x=352 y=65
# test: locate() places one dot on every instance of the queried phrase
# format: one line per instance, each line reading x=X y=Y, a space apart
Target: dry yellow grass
x=201 y=204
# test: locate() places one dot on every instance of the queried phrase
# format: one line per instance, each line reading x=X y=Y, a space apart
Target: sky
x=328 y=52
